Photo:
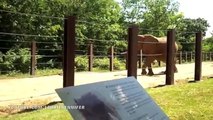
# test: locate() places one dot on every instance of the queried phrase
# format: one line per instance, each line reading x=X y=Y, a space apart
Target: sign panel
x=121 y=99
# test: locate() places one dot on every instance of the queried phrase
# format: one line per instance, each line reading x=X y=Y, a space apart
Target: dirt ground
x=28 y=91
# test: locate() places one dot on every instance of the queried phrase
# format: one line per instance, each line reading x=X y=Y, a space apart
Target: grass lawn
x=193 y=101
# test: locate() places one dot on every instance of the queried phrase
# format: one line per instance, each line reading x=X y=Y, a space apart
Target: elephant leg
x=149 y=62
x=144 y=69
x=150 y=70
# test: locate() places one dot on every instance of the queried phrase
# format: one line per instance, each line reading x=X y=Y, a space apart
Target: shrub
x=119 y=64
x=81 y=63
x=103 y=63
x=16 y=59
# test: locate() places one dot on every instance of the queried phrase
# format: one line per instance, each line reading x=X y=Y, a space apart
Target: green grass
x=193 y=101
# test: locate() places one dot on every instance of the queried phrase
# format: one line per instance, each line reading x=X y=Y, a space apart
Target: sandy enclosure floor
x=24 y=91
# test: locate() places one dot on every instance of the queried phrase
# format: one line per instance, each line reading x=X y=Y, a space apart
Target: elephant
x=153 y=48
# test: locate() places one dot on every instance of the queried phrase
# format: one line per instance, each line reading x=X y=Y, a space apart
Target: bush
x=103 y=64
x=16 y=59
x=119 y=64
x=81 y=63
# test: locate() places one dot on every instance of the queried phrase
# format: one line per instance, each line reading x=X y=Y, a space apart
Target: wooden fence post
x=90 y=56
x=170 y=57
x=180 y=57
x=210 y=56
x=132 y=50
x=69 y=52
x=186 y=56
x=198 y=58
x=111 y=58
x=33 y=58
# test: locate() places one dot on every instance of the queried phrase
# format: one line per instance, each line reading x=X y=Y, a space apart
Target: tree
x=159 y=16
x=152 y=15
x=187 y=30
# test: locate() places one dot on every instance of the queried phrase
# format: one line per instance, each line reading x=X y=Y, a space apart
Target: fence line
x=29 y=14
x=27 y=35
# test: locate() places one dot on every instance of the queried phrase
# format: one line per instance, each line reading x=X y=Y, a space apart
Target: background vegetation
x=105 y=22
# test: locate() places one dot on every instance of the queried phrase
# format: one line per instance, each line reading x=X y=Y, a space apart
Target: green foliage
x=81 y=63
x=103 y=64
x=187 y=30
x=152 y=15
x=16 y=59
x=160 y=15
x=208 y=44
x=119 y=64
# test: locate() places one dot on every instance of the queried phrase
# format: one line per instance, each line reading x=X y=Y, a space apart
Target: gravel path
x=23 y=91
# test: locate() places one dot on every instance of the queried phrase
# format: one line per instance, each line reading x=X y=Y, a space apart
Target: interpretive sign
x=121 y=99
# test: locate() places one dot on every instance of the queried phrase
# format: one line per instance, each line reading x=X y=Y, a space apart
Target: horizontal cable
x=27 y=35
x=79 y=55
x=4 y=48
x=153 y=30
x=49 y=49
x=150 y=42
x=46 y=56
x=149 y=55
x=48 y=63
x=35 y=55
x=15 y=41
x=49 y=42
x=36 y=15
x=100 y=56
x=92 y=39
x=187 y=42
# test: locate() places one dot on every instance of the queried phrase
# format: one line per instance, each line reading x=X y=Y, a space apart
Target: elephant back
x=151 y=44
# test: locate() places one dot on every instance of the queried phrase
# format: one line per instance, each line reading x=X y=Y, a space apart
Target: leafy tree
x=208 y=44
x=187 y=30
x=152 y=15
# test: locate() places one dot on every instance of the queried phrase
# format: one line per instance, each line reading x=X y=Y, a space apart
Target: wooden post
x=198 y=58
x=170 y=57
x=210 y=56
x=180 y=57
x=90 y=56
x=33 y=58
x=140 y=59
x=111 y=58
x=186 y=56
x=69 y=51
x=132 y=51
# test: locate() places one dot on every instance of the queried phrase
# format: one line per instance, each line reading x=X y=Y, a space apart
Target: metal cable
x=27 y=35
x=36 y=15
